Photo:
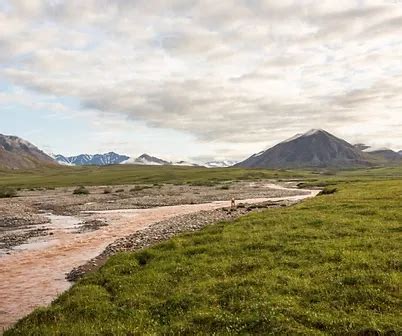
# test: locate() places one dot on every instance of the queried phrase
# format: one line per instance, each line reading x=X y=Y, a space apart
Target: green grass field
x=328 y=266
x=133 y=174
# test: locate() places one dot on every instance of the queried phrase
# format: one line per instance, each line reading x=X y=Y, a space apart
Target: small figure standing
x=233 y=203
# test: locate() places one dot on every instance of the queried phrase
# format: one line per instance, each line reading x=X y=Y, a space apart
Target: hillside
x=17 y=153
x=386 y=154
x=316 y=148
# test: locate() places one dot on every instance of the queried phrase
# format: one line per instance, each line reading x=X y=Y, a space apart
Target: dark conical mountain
x=16 y=153
x=316 y=148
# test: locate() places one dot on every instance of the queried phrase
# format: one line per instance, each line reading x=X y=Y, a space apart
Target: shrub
x=8 y=192
x=107 y=191
x=203 y=183
x=139 y=188
x=328 y=191
x=81 y=190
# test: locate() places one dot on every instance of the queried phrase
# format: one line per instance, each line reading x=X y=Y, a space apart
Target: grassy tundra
x=134 y=174
x=328 y=266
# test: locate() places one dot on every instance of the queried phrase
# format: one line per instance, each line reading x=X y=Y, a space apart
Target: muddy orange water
x=34 y=274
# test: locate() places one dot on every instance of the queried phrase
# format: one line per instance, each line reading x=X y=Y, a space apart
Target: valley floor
x=327 y=266
x=46 y=232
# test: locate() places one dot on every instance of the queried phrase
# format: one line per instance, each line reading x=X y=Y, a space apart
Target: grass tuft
x=81 y=190
x=7 y=192
x=328 y=191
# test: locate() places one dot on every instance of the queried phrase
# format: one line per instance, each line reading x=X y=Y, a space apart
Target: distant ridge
x=146 y=159
x=220 y=164
x=386 y=154
x=87 y=159
x=315 y=148
x=17 y=153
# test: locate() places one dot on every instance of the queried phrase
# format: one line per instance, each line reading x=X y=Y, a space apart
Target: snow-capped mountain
x=114 y=158
x=220 y=164
x=87 y=159
x=186 y=164
x=146 y=159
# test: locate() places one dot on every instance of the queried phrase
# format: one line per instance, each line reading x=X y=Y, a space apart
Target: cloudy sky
x=197 y=80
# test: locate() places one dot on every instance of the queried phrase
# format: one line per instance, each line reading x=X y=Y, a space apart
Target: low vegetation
x=328 y=266
x=81 y=190
x=107 y=191
x=328 y=191
x=149 y=175
x=8 y=192
x=137 y=175
x=139 y=188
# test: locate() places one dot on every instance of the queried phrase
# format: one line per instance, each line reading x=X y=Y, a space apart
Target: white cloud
x=232 y=74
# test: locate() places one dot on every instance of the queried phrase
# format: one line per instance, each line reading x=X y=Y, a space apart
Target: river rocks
x=14 y=239
x=61 y=201
x=91 y=225
x=16 y=229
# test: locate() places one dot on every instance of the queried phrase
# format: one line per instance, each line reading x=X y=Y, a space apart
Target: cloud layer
x=230 y=72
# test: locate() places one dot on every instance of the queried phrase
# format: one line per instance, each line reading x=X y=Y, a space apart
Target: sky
x=199 y=80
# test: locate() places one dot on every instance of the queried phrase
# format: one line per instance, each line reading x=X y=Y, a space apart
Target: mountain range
x=314 y=149
x=16 y=153
x=144 y=159
x=384 y=153
x=114 y=158
x=87 y=159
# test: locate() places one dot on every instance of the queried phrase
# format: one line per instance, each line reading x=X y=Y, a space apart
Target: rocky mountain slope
x=315 y=148
x=17 y=153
